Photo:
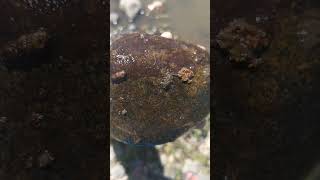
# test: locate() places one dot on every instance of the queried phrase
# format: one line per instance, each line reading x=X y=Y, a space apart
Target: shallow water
x=189 y=20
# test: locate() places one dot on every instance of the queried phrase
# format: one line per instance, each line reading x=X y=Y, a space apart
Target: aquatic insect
x=164 y=88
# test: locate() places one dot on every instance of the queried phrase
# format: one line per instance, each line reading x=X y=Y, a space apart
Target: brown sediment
x=118 y=76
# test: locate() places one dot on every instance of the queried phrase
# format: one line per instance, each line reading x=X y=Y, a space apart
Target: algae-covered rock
x=244 y=42
x=159 y=88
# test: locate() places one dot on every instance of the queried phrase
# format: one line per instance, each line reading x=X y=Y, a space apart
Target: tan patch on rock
x=186 y=74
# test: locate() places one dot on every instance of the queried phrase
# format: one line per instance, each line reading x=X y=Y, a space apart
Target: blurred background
x=189 y=156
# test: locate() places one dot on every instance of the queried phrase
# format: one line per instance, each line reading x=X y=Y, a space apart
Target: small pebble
x=45 y=159
x=167 y=34
x=202 y=47
x=132 y=27
x=118 y=76
x=204 y=147
x=112 y=155
x=190 y=165
x=3 y=119
x=131 y=8
x=124 y=112
x=155 y=5
x=117 y=171
x=114 y=17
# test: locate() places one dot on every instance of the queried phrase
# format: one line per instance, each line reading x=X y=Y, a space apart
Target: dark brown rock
x=159 y=105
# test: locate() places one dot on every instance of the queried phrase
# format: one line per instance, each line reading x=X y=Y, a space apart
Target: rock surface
x=159 y=83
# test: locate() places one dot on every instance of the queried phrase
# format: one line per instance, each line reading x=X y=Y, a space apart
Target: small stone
x=163 y=158
x=171 y=159
x=114 y=17
x=258 y=19
x=132 y=27
x=155 y=5
x=131 y=8
x=3 y=119
x=204 y=148
x=12 y=19
x=151 y=30
x=202 y=47
x=45 y=159
x=192 y=166
x=167 y=34
x=178 y=154
x=117 y=171
x=167 y=81
x=112 y=154
x=124 y=112
x=118 y=76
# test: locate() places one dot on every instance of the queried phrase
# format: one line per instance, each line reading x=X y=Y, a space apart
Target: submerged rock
x=165 y=91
